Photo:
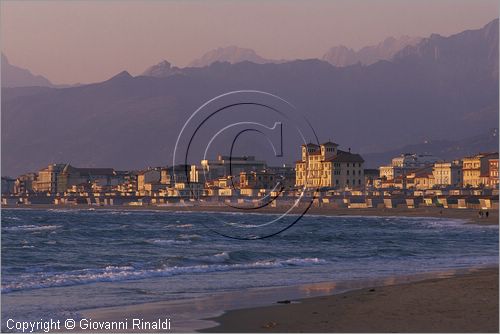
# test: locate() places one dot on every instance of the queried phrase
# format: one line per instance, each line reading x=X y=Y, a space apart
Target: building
x=128 y=186
x=403 y=165
x=390 y=172
x=412 y=160
x=371 y=176
x=226 y=166
x=423 y=180
x=475 y=169
x=24 y=183
x=8 y=185
x=196 y=173
x=102 y=178
x=493 y=174
x=447 y=174
x=47 y=179
x=178 y=174
x=325 y=166
x=285 y=175
x=57 y=178
x=258 y=180
x=148 y=179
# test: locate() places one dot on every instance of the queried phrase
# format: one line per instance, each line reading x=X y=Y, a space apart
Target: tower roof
x=310 y=145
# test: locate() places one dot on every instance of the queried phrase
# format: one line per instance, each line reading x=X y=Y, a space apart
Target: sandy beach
x=464 y=303
x=447 y=301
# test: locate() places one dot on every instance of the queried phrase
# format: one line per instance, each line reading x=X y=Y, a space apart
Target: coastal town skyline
x=323 y=169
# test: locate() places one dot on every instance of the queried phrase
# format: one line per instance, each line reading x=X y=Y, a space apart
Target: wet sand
x=463 y=303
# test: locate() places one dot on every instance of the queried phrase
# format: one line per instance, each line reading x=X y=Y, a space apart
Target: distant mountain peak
x=164 y=63
x=161 y=70
x=343 y=56
x=231 y=54
x=121 y=75
x=481 y=53
x=14 y=76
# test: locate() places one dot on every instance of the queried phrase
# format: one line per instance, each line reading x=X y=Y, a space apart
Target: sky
x=88 y=41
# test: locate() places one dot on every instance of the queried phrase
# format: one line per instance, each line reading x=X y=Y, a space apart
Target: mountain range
x=14 y=76
x=231 y=54
x=440 y=89
x=385 y=50
x=339 y=56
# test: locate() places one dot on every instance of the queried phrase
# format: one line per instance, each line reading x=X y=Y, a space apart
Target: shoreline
x=466 y=302
x=469 y=215
x=220 y=311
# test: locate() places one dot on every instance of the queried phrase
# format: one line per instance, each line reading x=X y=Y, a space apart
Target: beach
x=463 y=303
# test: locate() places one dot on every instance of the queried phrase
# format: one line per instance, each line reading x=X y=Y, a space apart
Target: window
x=359 y=181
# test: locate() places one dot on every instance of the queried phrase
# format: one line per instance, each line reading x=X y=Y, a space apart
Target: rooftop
x=343 y=156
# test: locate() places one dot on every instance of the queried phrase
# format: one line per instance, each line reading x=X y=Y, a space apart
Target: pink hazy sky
x=88 y=41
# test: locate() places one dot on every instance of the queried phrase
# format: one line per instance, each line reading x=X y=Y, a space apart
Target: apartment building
x=476 y=168
x=325 y=166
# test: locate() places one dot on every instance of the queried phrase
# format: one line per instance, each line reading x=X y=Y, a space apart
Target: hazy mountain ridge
x=162 y=69
x=481 y=54
x=131 y=122
x=443 y=149
x=231 y=54
x=14 y=76
x=385 y=50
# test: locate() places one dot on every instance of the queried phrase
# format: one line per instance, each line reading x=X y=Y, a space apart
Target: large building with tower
x=325 y=166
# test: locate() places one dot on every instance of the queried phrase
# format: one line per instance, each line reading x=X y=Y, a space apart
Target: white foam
x=216 y=258
x=116 y=274
x=11 y=218
x=184 y=225
x=30 y=228
x=168 y=242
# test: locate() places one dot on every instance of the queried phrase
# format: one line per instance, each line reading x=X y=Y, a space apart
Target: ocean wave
x=184 y=225
x=189 y=236
x=216 y=258
x=124 y=273
x=31 y=228
x=63 y=210
x=168 y=242
x=119 y=212
x=11 y=218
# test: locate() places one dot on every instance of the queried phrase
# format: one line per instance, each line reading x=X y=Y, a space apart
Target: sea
x=58 y=262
